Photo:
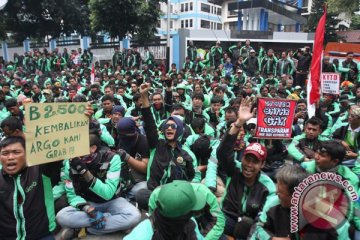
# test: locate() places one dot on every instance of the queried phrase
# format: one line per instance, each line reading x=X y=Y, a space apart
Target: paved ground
x=113 y=236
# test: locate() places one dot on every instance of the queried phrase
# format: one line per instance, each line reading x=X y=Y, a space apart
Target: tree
x=119 y=18
x=347 y=6
x=355 y=22
x=40 y=18
x=317 y=10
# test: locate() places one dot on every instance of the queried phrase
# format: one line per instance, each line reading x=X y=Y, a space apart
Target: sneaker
x=72 y=233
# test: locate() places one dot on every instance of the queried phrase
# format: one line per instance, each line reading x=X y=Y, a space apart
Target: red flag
x=92 y=75
x=316 y=60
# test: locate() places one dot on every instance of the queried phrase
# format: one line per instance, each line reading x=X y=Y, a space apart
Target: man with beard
x=176 y=203
x=303 y=147
x=133 y=148
x=91 y=183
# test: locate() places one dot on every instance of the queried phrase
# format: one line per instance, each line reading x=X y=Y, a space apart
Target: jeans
x=119 y=213
x=48 y=237
x=350 y=163
x=135 y=189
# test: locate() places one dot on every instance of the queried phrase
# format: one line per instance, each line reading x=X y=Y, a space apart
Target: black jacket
x=236 y=189
x=165 y=160
x=27 y=204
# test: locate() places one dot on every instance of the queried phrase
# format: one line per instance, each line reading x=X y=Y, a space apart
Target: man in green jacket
x=91 y=184
x=329 y=159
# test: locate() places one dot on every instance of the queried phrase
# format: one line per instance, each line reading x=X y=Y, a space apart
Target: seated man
x=91 y=184
x=175 y=205
x=247 y=188
x=328 y=158
x=275 y=219
x=349 y=135
x=134 y=150
x=303 y=147
x=26 y=200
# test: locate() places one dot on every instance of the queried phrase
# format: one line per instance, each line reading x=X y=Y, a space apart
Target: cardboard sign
x=275 y=118
x=330 y=83
x=55 y=131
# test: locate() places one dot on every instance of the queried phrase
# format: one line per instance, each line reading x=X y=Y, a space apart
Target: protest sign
x=55 y=131
x=330 y=83
x=275 y=118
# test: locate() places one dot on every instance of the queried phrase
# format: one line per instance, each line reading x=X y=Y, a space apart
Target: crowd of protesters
x=172 y=151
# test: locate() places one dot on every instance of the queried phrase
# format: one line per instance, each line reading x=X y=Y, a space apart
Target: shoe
x=71 y=233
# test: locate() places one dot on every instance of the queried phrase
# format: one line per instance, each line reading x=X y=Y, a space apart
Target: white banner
x=330 y=83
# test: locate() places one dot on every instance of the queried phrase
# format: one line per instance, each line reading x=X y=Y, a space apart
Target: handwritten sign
x=275 y=118
x=330 y=83
x=55 y=131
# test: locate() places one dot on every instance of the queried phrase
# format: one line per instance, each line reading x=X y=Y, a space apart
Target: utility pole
x=168 y=35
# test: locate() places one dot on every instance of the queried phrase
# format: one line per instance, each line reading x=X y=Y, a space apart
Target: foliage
x=40 y=18
x=355 y=22
x=317 y=10
x=120 y=18
x=347 y=6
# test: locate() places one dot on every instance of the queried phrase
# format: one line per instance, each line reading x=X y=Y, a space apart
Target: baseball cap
x=252 y=50
x=239 y=71
x=298 y=88
x=118 y=109
x=256 y=149
x=126 y=126
x=178 y=198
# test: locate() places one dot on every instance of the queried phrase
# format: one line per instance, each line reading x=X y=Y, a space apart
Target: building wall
x=187 y=14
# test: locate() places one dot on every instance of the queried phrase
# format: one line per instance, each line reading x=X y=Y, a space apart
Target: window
x=205 y=8
x=171 y=8
x=191 y=23
x=182 y=23
x=171 y=24
x=218 y=26
x=218 y=11
x=182 y=8
x=186 y=23
x=191 y=6
x=233 y=25
x=232 y=12
x=186 y=7
x=205 y=24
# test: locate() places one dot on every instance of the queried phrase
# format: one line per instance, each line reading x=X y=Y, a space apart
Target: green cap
x=178 y=198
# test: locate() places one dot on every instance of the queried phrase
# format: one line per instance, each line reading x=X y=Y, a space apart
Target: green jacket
x=348 y=175
x=273 y=218
x=105 y=190
x=211 y=200
x=294 y=151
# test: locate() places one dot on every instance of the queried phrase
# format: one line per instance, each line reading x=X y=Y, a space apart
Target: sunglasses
x=172 y=126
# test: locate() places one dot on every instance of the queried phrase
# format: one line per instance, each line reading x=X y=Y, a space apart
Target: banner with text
x=275 y=118
x=55 y=131
x=330 y=83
